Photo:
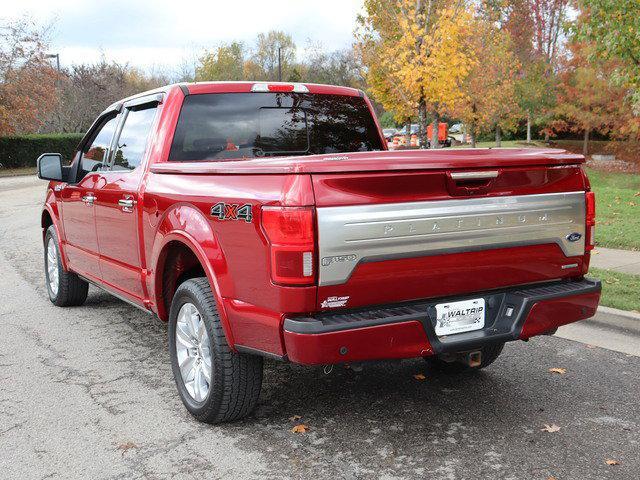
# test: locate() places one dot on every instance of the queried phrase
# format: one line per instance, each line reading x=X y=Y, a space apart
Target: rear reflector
x=279 y=87
x=290 y=232
x=590 y=204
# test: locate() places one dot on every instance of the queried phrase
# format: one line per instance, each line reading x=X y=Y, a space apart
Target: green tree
x=265 y=56
x=226 y=62
x=613 y=26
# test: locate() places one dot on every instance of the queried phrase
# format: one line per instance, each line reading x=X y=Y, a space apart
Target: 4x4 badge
x=232 y=211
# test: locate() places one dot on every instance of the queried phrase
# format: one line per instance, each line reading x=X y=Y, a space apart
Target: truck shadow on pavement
x=384 y=420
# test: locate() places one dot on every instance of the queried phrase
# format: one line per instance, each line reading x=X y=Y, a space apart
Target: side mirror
x=50 y=167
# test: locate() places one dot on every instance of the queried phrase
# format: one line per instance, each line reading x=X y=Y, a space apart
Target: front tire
x=65 y=288
x=215 y=383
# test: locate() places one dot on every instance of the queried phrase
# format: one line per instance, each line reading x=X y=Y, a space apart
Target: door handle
x=89 y=199
x=127 y=204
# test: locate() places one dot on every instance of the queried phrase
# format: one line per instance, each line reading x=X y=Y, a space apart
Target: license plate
x=459 y=317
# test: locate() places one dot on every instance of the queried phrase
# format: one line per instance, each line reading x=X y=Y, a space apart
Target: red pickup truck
x=268 y=220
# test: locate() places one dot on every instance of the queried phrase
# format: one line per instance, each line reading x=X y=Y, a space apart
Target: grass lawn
x=13 y=172
x=617 y=209
x=619 y=290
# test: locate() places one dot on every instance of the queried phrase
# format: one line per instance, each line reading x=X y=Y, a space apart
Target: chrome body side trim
x=364 y=233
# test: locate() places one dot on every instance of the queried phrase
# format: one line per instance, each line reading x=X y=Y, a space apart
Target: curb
x=620 y=320
x=619 y=313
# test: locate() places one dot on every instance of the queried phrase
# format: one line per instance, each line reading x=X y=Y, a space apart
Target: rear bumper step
x=408 y=330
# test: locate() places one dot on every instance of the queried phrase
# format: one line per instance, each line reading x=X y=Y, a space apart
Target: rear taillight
x=290 y=233
x=590 y=202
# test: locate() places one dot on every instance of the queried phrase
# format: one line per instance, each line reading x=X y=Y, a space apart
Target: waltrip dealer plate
x=459 y=317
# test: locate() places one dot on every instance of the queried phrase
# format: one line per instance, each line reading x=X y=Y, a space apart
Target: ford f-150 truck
x=268 y=220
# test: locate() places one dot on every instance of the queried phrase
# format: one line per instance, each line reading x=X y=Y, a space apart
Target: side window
x=95 y=154
x=133 y=139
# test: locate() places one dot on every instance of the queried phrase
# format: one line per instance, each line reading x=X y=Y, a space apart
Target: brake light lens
x=279 y=87
x=291 y=235
x=590 y=203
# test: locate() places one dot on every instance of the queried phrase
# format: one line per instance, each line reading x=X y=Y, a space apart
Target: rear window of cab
x=222 y=126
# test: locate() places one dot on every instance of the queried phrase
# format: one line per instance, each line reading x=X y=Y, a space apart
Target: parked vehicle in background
x=389 y=133
x=268 y=220
x=415 y=128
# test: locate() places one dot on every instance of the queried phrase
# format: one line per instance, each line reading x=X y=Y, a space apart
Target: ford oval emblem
x=574 y=237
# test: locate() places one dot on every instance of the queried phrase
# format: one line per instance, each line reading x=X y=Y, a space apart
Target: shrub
x=23 y=150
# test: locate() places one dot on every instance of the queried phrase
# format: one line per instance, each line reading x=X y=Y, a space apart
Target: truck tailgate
x=400 y=236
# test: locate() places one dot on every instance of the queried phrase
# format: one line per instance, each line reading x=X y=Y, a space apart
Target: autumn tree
x=27 y=79
x=588 y=101
x=613 y=27
x=416 y=55
x=536 y=28
x=489 y=99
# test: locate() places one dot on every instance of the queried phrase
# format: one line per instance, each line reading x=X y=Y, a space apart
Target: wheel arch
x=48 y=217
x=184 y=250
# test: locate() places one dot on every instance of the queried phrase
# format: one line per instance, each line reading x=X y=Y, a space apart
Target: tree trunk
x=434 y=133
x=407 y=135
x=473 y=141
x=422 y=128
x=464 y=134
x=528 y=126
x=546 y=136
x=498 y=136
x=585 y=143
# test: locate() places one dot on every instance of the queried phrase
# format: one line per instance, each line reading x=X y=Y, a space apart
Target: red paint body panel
x=399 y=340
x=127 y=252
x=548 y=315
x=452 y=274
x=338 y=189
x=379 y=162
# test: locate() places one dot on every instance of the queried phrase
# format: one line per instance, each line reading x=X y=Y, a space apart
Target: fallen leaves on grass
x=609 y=461
x=637 y=194
x=125 y=447
x=301 y=428
x=560 y=371
x=550 y=428
x=419 y=376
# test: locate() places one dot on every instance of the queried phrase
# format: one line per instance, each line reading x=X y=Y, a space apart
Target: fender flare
x=186 y=233
x=51 y=208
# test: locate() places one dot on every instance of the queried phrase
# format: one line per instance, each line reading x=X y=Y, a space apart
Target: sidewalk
x=624 y=261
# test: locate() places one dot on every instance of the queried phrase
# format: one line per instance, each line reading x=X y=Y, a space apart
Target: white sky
x=162 y=34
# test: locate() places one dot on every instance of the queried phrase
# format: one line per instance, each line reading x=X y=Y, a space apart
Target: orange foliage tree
x=27 y=79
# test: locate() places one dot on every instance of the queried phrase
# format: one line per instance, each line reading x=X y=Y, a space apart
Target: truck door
x=117 y=204
x=78 y=200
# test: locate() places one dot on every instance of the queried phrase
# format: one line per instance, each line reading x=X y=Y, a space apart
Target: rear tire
x=65 y=288
x=490 y=353
x=232 y=388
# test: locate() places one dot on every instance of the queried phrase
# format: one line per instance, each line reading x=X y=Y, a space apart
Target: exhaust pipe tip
x=474 y=359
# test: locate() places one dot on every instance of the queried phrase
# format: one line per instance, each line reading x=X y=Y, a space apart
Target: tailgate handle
x=470 y=183
x=474 y=175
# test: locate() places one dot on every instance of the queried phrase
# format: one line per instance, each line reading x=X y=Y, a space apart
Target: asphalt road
x=87 y=392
